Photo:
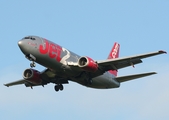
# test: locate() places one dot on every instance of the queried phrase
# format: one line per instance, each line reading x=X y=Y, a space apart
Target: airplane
x=63 y=66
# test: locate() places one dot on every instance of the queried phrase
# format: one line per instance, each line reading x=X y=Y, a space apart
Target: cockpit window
x=32 y=38
x=29 y=37
x=26 y=38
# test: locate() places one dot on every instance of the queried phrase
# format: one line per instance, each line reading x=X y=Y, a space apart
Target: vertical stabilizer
x=114 y=54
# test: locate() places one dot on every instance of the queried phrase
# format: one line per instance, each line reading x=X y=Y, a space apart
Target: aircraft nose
x=20 y=43
x=22 y=46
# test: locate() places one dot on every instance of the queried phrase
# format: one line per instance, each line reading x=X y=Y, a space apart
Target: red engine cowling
x=33 y=76
x=88 y=64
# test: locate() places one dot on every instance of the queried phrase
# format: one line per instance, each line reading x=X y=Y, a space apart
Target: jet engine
x=32 y=76
x=87 y=64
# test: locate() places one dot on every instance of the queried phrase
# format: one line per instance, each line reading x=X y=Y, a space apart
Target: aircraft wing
x=118 y=63
x=47 y=76
x=15 y=83
x=131 y=77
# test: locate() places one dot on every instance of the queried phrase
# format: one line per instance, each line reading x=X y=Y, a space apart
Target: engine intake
x=88 y=64
x=32 y=76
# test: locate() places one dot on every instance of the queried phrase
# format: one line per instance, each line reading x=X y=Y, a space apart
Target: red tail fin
x=114 y=54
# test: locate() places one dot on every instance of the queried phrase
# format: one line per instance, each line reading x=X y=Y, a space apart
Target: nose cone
x=22 y=46
x=20 y=43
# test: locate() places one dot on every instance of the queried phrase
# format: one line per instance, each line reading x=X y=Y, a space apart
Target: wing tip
x=6 y=85
x=150 y=73
x=154 y=72
x=161 y=51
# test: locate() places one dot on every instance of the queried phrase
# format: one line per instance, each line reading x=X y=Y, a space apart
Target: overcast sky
x=88 y=28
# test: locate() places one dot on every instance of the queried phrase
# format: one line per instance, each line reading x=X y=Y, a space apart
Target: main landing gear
x=58 y=87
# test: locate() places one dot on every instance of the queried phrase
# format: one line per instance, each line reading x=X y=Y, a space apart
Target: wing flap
x=121 y=64
x=131 y=77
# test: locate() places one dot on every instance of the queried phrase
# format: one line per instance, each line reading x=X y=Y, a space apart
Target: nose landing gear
x=31 y=58
x=33 y=64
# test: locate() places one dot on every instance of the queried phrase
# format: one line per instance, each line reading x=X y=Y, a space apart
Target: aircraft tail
x=114 y=53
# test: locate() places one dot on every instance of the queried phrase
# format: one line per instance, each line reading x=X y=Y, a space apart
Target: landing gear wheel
x=32 y=65
x=61 y=87
x=56 y=88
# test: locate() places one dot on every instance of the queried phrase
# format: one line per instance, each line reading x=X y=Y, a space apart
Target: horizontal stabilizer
x=131 y=77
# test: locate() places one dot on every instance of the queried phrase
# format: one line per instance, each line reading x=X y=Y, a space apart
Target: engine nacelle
x=33 y=76
x=88 y=64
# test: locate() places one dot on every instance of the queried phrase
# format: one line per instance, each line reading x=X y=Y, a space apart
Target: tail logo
x=115 y=50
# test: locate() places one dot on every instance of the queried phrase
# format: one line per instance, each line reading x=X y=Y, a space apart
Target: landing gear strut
x=58 y=87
